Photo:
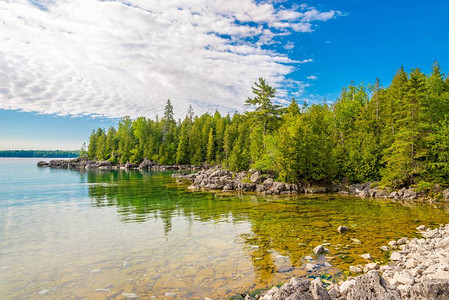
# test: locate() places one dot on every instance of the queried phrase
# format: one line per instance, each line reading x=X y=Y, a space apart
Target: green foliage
x=398 y=135
x=210 y=147
x=267 y=160
x=424 y=186
x=83 y=151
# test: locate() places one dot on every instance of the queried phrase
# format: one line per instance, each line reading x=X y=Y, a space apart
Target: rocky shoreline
x=419 y=269
x=255 y=181
x=85 y=164
x=214 y=178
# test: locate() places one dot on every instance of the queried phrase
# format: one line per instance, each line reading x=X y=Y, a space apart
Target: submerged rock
x=319 y=250
x=356 y=241
x=366 y=256
x=422 y=228
x=384 y=248
x=419 y=270
x=342 y=229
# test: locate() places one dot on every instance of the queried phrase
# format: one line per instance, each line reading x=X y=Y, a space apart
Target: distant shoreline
x=39 y=153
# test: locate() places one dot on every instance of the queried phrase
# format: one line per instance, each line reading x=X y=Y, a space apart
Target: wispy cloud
x=312 y=77
x=289 y=46
x=115 y=58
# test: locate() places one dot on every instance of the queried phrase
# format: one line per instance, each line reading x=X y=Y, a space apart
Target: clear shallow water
x=96 y=235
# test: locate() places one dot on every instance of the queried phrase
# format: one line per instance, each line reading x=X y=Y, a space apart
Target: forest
x=397 y=135
x=40 y=153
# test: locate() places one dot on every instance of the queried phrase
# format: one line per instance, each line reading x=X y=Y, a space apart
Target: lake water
x=69 y=234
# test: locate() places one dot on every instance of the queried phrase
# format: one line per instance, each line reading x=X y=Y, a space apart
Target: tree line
x=40 y=153
x=398 y=135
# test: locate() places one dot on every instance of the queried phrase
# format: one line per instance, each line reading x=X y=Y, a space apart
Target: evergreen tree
x=403 y=157
x=92 y=149
x=126 y=139
x=266 y=112
x=182 y=152
x=83 y=151
x=210 y=147
x=101 y=151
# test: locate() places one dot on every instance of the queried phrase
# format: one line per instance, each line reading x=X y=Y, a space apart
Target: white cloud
x=312 y=77
x=115 y=58
x=289 y=46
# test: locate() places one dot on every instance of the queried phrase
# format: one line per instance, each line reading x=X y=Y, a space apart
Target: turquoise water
x=70 y=234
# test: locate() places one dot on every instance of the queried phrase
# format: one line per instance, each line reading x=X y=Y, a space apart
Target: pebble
x=319 y=249
x=354 y=269
x=44 y=292
x=366 y=256
x=129 y=296
x=370 y=267
x=392 y=243
x=356 y=241
x=395 y=256
x=342 y=229
x=404 y=278
x=311 y=266
x=402 y=241
x=385 y=248
x=422 y=228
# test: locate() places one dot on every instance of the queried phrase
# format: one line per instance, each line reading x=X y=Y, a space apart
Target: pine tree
x=182 y=154
x=126 y=139
x=83 y=151
x=293 y=108
x=101 y=151
x=266 y=112
x=92 y=149
x=404 y=157
x=210 y=147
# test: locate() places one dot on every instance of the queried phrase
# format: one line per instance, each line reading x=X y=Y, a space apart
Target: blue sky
x=71 y=66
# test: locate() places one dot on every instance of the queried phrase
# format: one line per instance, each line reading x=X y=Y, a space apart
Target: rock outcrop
x=214 y=178
x=419 y=270
x=264 y=183
x=250 y=181
x=85 y=164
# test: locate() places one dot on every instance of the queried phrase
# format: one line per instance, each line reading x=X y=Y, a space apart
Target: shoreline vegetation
x=40 y=153
x=374 y=141
x=397 y=136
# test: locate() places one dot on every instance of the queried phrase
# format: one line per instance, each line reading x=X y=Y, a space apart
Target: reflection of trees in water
x=143 y=195
x=280 y=227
